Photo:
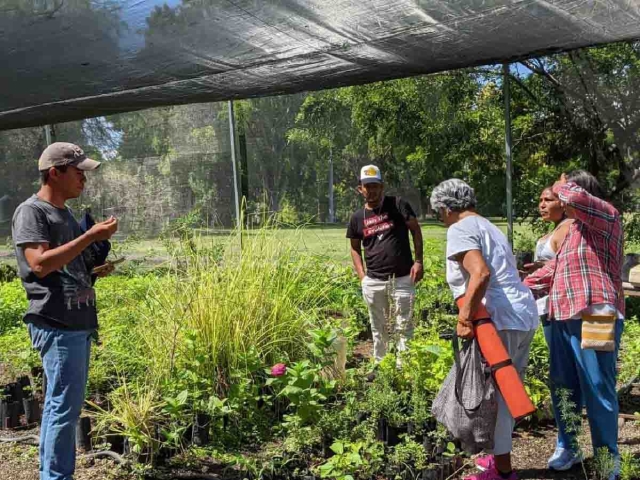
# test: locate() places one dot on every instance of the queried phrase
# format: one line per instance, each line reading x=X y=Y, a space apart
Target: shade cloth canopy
x=70 y=59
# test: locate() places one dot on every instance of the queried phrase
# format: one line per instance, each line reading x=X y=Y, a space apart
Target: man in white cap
x=54 y=266
x=388 y=284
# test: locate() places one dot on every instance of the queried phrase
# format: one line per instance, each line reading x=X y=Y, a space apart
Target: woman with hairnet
x=482 y=268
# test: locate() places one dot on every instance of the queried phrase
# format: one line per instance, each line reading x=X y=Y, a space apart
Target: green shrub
x=357 y=460
x=629 y=466
x=120 y=353
x=13 y=305
x=16 y=354
x=537 y=377
x=630 y=353
x=526 y=239
x=427 y=361
x=409 y=454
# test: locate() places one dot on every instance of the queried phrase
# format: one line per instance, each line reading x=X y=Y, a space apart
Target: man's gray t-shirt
x=65 y=298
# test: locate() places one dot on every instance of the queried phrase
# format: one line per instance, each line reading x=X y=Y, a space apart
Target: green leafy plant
x=536 y=380
x=16 y=353
x=603 y=463
x=409 y=455
x=13 y=304
x=304 y=388
x=387 y=397
x=629 y=466
x=572 y=420
x=427 y=361
x=358 y=460
x=630 y=353
x=525 y=241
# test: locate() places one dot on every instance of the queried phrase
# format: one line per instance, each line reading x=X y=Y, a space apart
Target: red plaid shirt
x=587 y=269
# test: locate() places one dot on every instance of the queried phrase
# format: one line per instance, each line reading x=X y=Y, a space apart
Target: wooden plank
x=627 y=416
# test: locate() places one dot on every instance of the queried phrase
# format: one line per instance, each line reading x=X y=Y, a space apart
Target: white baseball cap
x=370 y=174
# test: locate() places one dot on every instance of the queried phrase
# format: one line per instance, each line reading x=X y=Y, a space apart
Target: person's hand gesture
x=568 y=210
x=563 y=180
x=529 y=268
x=103 y=230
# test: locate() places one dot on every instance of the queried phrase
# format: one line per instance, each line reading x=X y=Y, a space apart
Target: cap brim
x=87 y=164
x=364 y=181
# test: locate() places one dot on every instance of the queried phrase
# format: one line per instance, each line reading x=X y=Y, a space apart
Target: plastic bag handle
x=459 y=370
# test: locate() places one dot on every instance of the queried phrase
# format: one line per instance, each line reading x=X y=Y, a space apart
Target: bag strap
x=499 y=365
x=459 y=372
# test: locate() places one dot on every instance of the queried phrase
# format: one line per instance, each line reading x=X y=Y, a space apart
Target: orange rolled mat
x=504 y=373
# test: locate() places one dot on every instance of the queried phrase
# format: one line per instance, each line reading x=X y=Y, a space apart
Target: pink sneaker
x=490 y=475
x=486 y=463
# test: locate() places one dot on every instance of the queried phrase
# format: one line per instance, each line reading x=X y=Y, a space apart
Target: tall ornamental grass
x=225 y=307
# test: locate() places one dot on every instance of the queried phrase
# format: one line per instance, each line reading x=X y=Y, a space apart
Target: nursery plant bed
x=531 y=449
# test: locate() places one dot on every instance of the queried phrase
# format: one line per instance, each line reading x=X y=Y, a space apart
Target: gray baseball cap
x=59 y=154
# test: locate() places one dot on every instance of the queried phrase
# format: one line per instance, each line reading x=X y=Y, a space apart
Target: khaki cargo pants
x=390 y=304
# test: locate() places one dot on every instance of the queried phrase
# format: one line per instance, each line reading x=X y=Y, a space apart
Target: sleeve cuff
x=452 y=255
x=20 y=243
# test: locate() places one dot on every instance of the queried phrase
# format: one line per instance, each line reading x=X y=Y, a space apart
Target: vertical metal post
x=47 y=134
x=507 y=138
x=232 y=134
x=332 y=212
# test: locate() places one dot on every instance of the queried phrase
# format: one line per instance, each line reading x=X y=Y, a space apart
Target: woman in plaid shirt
x=585 y=283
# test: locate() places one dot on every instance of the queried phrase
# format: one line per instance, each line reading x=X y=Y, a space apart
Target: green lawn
x=329 y=241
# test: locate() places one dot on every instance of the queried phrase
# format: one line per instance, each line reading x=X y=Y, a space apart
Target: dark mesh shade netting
x=69 y=59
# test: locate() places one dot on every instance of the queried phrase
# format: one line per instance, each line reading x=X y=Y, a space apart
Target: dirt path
x=531 y=449
x=20 y=462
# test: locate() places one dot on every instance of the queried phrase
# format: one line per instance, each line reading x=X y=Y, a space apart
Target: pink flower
x=278 y=370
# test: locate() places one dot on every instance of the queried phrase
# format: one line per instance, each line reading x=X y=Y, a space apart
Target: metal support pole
x=47 y=134
x=232 y=134
x=507 y=138
x=332 y=213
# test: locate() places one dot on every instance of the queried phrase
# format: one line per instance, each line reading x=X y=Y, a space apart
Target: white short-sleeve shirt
x=510 y=304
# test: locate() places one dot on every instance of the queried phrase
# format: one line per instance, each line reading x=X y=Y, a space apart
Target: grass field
x=328 y=241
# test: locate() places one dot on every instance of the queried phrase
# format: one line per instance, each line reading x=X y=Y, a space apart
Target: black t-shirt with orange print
x=385 y=238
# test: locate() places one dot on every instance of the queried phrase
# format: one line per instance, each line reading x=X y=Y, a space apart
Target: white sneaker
x=563 y=459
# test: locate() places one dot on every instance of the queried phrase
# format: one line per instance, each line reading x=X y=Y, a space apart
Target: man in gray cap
x=55 y=270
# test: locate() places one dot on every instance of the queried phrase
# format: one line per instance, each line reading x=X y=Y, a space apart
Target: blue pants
x=65 y=358
x=590 y=377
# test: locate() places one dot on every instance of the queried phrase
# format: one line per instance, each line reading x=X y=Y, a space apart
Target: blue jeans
x=65 y=358
x=590 y=377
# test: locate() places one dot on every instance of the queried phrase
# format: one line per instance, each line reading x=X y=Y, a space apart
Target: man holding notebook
x=55 y=264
